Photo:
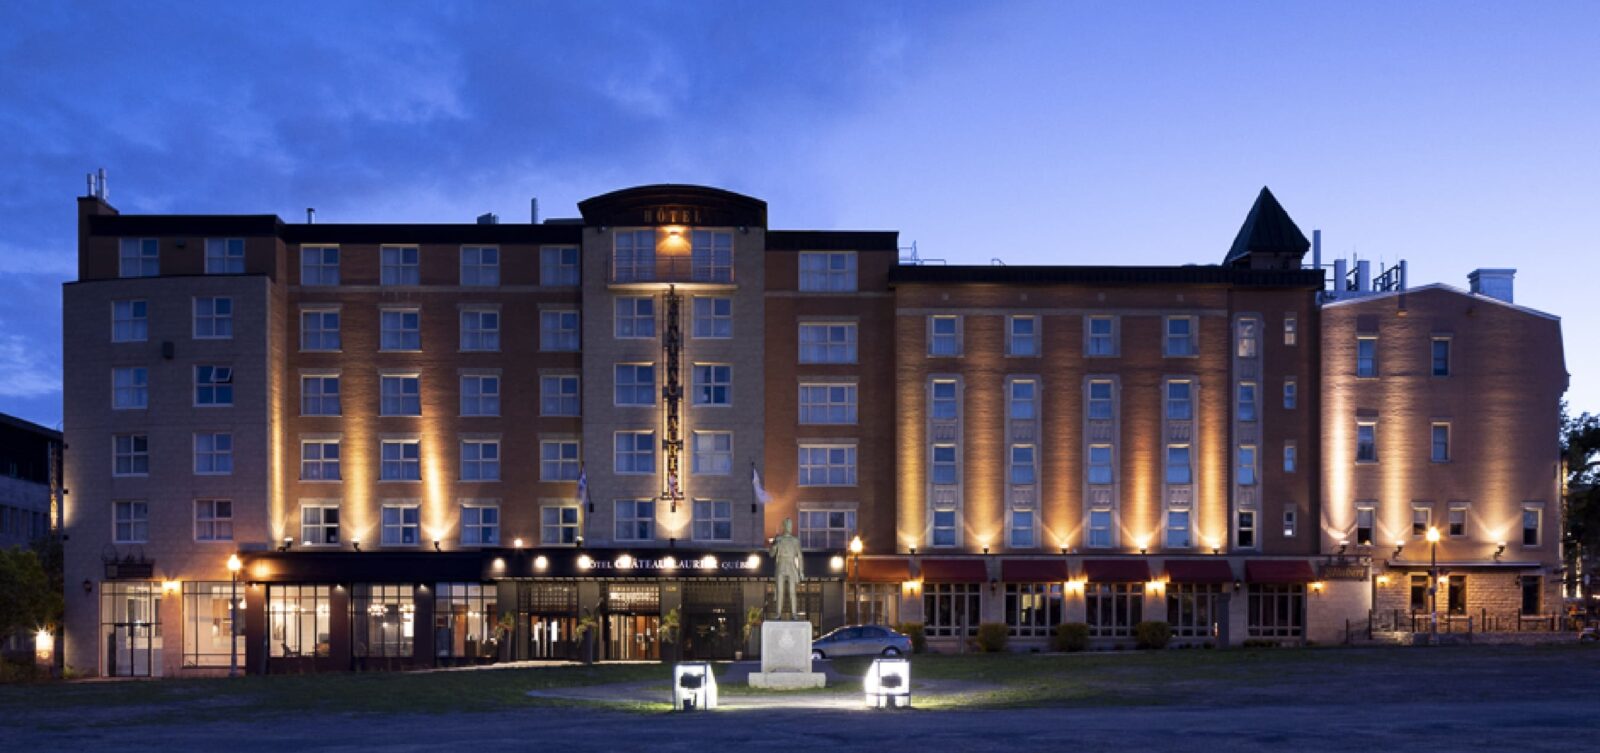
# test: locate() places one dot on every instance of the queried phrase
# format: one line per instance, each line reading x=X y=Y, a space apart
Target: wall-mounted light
x=1238 y=585
x=170 y=586
x=1144 y=544
x=672 y=543
x=356 y=543
x=1316 y=586
x=836 y=562
x=499 y=563
x=585 y=562
x=540 y=562
x=1399 y=546
x=986 y=550
x=913 y=551
x=1076 y=586
x=624 y=561
x=708 y=562
x=1500 y=550
x=1215 y=544
x=911 y=587
x=288 y=541
x=517 y=543
x=1343 y=545
x=1383 y=580
x=753 y=561
x=436 y=546
x=1156 y=586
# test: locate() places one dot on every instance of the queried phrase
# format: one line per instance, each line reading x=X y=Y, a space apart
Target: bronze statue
x=790 y=568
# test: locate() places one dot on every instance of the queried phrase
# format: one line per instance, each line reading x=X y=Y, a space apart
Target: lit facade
x=440 y=444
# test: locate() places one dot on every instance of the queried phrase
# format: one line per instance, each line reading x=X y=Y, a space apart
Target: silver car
x=860 y=640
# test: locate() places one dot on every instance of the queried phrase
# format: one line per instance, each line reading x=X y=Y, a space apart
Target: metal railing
x=1404 y=621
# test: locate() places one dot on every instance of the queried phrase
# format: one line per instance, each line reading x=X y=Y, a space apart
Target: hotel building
x=443 y=444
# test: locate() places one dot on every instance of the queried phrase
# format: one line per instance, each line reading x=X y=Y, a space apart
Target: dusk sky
x=1455 y=136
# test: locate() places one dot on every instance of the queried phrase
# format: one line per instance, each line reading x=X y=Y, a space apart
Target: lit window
x=1366 y=443
x=213 y=453
x=713 y=318
x=826 y=529
x=1291 y=330
x=1102 y=336
x=224 y=256
x=480 y=330
x=480 y=266
x=713 y=384
x=827 y=343
x=319 y=329
x=944 y=464
x=1178 y=464
x=319 y=395
x=480 y=525
x=558 y=525
x=1247 y=466
x=132 y=522
x=944 y=336
x=213 y=385
x=130 y=321
x=635 y=384
x=1367 y=357
x=1178 y=529
x=399 y=265
x=711 y=256
x=1530 y=525
x=319 y=460
x=1100 y=471
x=319 y=265
x=1441 y=356
x=130 y=455
x=1290 y=457
x=1247 y=529
x=139 y=257
x=558 y=266
x=944 y=527
x=319 y=525
x=635 y=452
x=1421 y=519
x=558 y=396
x=1290 y=522
x=1022 y=464
x=401 y=329
x=1458 y=521
x=558 y=460
x=827 y=403
x=558 y=331
x=825 y=272
x=1099 y=529
x=635 y=519
x=401 y=396
x=213 y=318
x=827 y=465
x=401 y=525
x=1024 y=405
x=1023 y=337
x=1100 y=401
x=480 y=460
x=1247 y=401
x=1248 y=340
x=480 y=395
x=213 y=520
x=1022 y=529
x=944 y=406
x=713 y=453
x=1180 y=401
x=130 y=388
x=713 y=520
x=636 y=317
x=1366 y=517
x=401 y=460
x=634 y=256
x=1179 y=340
x=1440 y=452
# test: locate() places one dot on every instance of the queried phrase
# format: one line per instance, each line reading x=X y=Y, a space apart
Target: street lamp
x=855 y=586
x=1433 y=585
x=234 y=565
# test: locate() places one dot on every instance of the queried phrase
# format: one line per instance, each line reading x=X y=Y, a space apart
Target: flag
x=761 y=492
x=583 y=484
x=672 y=487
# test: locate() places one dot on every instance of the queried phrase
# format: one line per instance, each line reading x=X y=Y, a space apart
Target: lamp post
x=855 y=581
x=1433 y=585
x=234 y=566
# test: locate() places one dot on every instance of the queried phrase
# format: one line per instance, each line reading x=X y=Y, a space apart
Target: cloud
x=25 y=371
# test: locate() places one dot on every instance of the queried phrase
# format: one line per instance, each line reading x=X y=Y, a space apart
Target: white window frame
x=626 y=377
x=1291 y=457
x=407 y=455
x=1031 y=338
x=400 y=395
x=1013 y=401
x=1291 y=394
x=1367 y=367
x=1171 y=403
x=1109 y=337
x=847 y=468
x=560 y=460
x=707 y=515
x=834 y=403
x=1101 y=408
x=639 y=520
x=132 y=516
x=1094 y=531
x=224 y=256
x=211 y=518
x=133 y=454
x=1254 y=528
x=480 y=266
x=711 y=256
x=554 y=334
x=709 y=384
x=1538 y=529
x=321 y=273
x=1247 y=465
x=1373 y=426
x=322 y=462
x=560 y=524
x=221 y=378
x=1433 y=442
x=1291 y=330
x=629 y=323
x=321 y=524
x=1370 y=513
x=554 y=270
x=944 y=464
x=827 y=536
x=1247 y=337
x=135 y=395
x=633 y=255
x=1449 y=356
x=1170 y=527
x=480 y=329
x=633 y=452
x=484 y=456
x=1248 y=404
x=218 y=324
x=944 y=344
x=706 y=458
x=209 y=445
x=396 y=267
x=144 y=261
x=322 y=396
x=1464 y=511
x=134 y=327
x=400 y=338
x=944 y=407
x=406 y=519
x=839 y=342
x=556 y=398
x=1110 y=464
x=827 y=271
x=480 y=395
x=1029 y=460
x=1187 y=452
x=708 y=324
x=1170 y=347
x=1291 y=522
x=477 y=528
x=320 y=337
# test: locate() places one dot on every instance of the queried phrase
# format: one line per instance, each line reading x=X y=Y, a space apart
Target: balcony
x=697 y=268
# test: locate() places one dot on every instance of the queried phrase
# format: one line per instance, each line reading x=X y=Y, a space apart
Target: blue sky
x=1453 y=135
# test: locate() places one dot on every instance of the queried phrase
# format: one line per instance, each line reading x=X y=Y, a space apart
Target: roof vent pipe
x=534 y=209
x=1364 y=276
x=311 y=215
x=103 y=190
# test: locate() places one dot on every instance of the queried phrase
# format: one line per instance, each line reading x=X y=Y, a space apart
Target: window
x=1291 y=330
x=401 y=329
x=1100 y=471
x=1456 y=594
x=1366 y=443
x=826 y=529
x=319 y=460
x=1419 y=593
x=401 y=525
x=401 y=395
x=1276 y=610
x=1179 y=340
x=558 y=396
x=1180 y=401
x=558 y=460
x=224 y=256
x=1033 y=609
x=1100 y=405
x=1178 y=465
x=480 y=330
x=827 y=343
x=319 y=265
x=130 y=454
x=319 y=329
x=1023 y=336
x=1247 y=466
x=319 y=395
x=713 y=317
x=1102 y=338
x=827 y=465
x=1022 y=529
x=1421 y=520
x=382 y=620
x=827 y=403
x=1289 y=457
x=1531 y=594
x=480 y=266
x=1441 y=356
x=713 y=453
x=480 y=460
x=1441 y=443
x=1099 y=529
x=209 y=637
x=634 y=256
x=480 y=524
x=298 y=620
x=944 y=336
x=636 y=317
x=319 y=524
x=130 y=388
x=711 y=256
x=213 y=453
x=944 y=400
x=1178 y=529
x=1366 y=517
x=558 y=331
x=828 y=272
x=635 y=520
x=1530 y=525
x=558 y=265
x=467 y=618
x=480 y=395
x=132 y=522
x=713 y=520
x=636 y=384
x=635 y=452
x=130 y=321
x=401 y=460
x=1290 y=522
x=1248 y=341
x=713 y=384
x=399 y=265
x=1367 y=357
x=944 y=464
x=139 y=257
x=1247 y=401
x=1290 y=394
x=1023 y=405
x=944 y=527
x=213 y=520
x=1113 y=608
x=213 y=385
x=1194 y=609
x=1022 y=464
x=558 y=525
x=1247 y=529
x=1458 y=521
x=951 y=609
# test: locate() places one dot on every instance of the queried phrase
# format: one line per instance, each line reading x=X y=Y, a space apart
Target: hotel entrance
x=549 y=613
x=713 y=616
x=130 y=616
x=633 y=622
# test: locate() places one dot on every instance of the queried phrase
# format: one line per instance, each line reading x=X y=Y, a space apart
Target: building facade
x=441 y=444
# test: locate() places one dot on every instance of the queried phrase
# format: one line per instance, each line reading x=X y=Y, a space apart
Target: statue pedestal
x=785 y=657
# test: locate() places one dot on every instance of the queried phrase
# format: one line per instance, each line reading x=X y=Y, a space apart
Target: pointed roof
x=1267 y=229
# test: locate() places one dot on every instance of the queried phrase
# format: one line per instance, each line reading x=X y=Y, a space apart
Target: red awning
x=1034 y=571
x=954 y=571
x=886 y=570
x=1278 y=571
x=1116 y=571
x=1199 y=571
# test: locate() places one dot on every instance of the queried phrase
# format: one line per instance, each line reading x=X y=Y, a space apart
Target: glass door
x=552 y=637
x=633 y=637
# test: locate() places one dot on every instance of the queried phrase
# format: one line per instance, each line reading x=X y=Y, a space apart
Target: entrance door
x=130 y=615
x=633 y=637
x=552 y=637
x=709 y=635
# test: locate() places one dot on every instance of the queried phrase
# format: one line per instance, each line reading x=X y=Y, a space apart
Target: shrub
x=918 y=636
x=1260 y=643
x=1152 y=634
x=1070 y=636
x=992 y=637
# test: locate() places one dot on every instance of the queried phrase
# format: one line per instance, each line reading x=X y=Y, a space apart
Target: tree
x=1580 y=452
x=27 y=602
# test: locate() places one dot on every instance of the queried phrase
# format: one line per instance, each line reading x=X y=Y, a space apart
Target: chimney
x=1494 y=283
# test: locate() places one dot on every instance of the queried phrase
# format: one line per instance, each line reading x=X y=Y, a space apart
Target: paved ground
x=1334 y=700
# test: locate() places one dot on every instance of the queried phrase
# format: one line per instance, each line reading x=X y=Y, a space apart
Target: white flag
x=583 y=484
x=761 y=492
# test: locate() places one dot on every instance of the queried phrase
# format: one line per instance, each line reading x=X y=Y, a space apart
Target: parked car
x=860 y=640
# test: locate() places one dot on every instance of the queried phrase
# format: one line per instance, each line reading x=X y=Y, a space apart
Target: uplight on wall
x=911 y=587
x=693 y=686
x=888 y=683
